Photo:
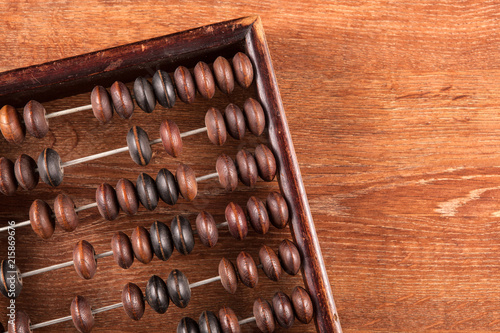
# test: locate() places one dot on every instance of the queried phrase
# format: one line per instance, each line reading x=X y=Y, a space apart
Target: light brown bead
x=277 y=209
x=228 y=276
x=247 y=167
x=8 y=181
x=184 y=82
x=141 y=243
x=263 y=314
x=34 y=119
x=257 y=214
x=247 y=270
x=256 y=119
x=235 y=121
x=204 y=80
x=207 y=229
x=302 y=305
x=41 y=219
x=171 y=138
x=107 y=203
x=84 y=259
x=243 y=70
x=101 y=104
x=216 y=127
x=122 y=249
x=228 y=320
x=122 y=100
x=289 y=257
x=64 y=210
x=21 y=323
x=126 y=194
x=228 y=174
x=186 y=179
x=237 y=222
x=133 y=301
x=224 y=75
x=270 y=263
x=10 y=125
x=82 y=316
x=25 y=171
x=283 y=310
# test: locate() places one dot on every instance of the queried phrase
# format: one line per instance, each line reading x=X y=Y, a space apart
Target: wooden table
x=393 y=109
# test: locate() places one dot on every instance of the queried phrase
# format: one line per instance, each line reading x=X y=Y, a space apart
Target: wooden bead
x=186 y=180
x=167 y=186
x=185 y=84
x=178 y=288
x=256 y=119
x=138 y=146
x=224 y=75
x=235 y=121
x=122 y=250
x=243 y=70
x=133 y=301
x=34 y=119
x=277 y=209
x=283 y=310
x=84 y=259
x=171 y=138
x=204 y=80
x=21 y=323
x=207 y=229
x=141 y=244
x=10 y=125
x=228 y=276
x=237 y=222
x=266 y=163
x=247 y=270
x=182 y=234
x=147 y=192
x=122 y=100
x=188 y=325
x=302 y=305
x=107 y=203
x=49 y=167
x=270 y=263
x=81 y=312
x=41 y=219
x=216 y=127
x=8 y=181
x=228 y=174
x=144 y=94
x=247 y=167
x=289 y=257
x=25 y=171
x=11 y=282
x=126 y=194
x=257 y=213
x=228 y=320
x=64 y=210
x=208 y=323
x=164 y=89
x=157 y=294
x=263 y=314
x=161 y=240
x=101 y=104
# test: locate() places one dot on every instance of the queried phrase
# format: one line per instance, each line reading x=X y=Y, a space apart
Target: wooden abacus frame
x=79 y=74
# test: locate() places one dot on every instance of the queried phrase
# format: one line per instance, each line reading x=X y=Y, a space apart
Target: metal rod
x=209 y=176
x=68 y=111
x=246 y=321
x=17 y=225
x=204 y=282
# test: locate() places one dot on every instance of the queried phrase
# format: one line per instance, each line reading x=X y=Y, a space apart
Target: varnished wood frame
x=78 y=74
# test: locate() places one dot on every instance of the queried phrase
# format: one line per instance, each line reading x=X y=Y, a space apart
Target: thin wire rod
x=246 y=321
x=204 y=282
x=209 y=176
x=68 y=111
x=90 y=205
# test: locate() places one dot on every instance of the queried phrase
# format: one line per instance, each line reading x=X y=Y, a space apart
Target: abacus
x=192 y=75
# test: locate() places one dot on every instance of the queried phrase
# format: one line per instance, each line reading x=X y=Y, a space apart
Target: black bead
x=188 y=325
x=146 y=190
x=164 y=89
x=167 y=186
x=11 y=282
x=161 y=239
x=49 y=167
x=182 y=234
x=138 y=145
x=144 y=94
x=209 y=323
x=157 y=294
x=178 y=288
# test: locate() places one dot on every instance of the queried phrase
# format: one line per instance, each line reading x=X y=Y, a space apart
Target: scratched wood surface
x=394 y=112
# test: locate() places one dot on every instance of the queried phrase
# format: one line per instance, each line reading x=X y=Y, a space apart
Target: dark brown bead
x=164 y=89
x=257 y=214
x=228 y=174
x=157 y=294
x=283 y=310
x=161 y=240
x=235 y=121
x=188 y=325
x=228 y=320
x=237 y=222
x=247 y=167
x=81 y=312
x=147 y=191
x=8 y=181
x=10 y=125
x=186 y=180
x=204 y=80
x=207 y=229
x=64 y=210
x=141 y=243
x=101 y=104
x=184 y=82
x=122 y=250
x=182 y=234
x=263 y=314
x=41 y=218
x=277 y=209
x=208 y=323
x=139 y=146
x=11 y=281
x=25 y=170
x=171 y=138
x=270 y=263
x=49 y=167
x=289 y=257
x=126 y=194
x=21 y=323
x=266 y=163
x=133 y=301
x=167 y=186
x=107 y=203
x=178 y=288
x=243 y=70
x=302 y=305
x=34 y=119
x=247 y=270
x=228 y=276
x=224 y=75
x=256 y=119
x=84 y=259
x=216 y=128
x=144 y=94
x=122 y=100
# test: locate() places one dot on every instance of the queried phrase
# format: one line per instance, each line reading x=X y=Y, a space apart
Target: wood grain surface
x=394 y=112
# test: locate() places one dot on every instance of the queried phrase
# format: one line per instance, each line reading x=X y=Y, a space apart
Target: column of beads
x=161 y=90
